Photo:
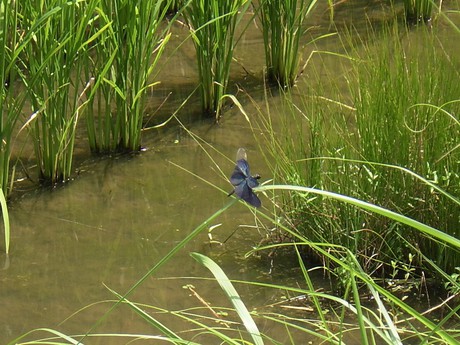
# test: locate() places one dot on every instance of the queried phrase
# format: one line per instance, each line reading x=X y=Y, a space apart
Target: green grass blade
x=232 y=294
x=6 y=221
x=455 y=242
x=68 y=339
x=157 y=324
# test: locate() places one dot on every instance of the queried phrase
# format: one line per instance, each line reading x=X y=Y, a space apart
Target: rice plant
x=418 y=10
x=53 y=64
x=11 y=101
x=212 y=28
x=283 y=30
x=8 y=110
x=124 y=63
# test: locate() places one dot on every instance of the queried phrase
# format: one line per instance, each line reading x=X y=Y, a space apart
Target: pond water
x=121 y=214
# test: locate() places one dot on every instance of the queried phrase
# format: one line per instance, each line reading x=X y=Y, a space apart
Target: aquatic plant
x=8 y=114
x=212 y=28
x=52 y=68
x=126 y=58
x=396 y=145
x=418 y=10
x=11 y=44
x=283 y=29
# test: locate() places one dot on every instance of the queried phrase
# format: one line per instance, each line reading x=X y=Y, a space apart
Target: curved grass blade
x=373 y=208
x=152 y=321
x=69 y=340
x=232 y=294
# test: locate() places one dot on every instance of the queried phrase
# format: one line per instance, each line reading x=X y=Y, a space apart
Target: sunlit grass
x=125 y=64
x=395 y=146
x=6 y=221
x=52 y=67
x=388 y=146
x=283 y=26
x=212 y=28
x=11 y=44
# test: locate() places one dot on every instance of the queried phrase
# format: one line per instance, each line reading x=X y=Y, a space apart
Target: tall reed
x=408 y=118
x=125 y=61
x=53 y=65
x=283 y=29
x=212 y=27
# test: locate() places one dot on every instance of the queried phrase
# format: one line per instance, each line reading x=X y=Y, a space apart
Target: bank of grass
x=393 y=142
x=212 y=29
x=362 y=311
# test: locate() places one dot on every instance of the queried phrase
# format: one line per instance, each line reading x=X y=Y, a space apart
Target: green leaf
x=6 y=221
x=232 y=294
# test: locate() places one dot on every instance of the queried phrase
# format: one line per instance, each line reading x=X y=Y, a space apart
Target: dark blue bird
x=242 y=180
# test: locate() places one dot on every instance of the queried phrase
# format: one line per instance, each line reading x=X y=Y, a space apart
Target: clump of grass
x=11 y=45
x=418 y=11
x=53 y=63
x=283 y=29
x=212 y=28
x=407 y=118
x=395 y=146
x=125 y=61
x=8 y=111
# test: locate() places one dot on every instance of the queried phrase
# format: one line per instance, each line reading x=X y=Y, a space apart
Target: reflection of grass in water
x=212 y=27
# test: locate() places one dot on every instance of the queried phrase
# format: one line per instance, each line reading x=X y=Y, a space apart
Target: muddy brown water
x=121 y=214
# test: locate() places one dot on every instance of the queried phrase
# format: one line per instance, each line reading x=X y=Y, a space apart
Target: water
x=120 y=215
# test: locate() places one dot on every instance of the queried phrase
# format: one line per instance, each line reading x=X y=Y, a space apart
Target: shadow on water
x=121 y=214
